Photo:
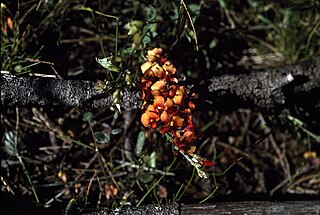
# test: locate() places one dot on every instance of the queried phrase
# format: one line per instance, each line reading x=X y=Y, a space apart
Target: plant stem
x=156 y=183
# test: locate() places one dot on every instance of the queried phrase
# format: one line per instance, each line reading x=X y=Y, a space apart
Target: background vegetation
x=48 y=153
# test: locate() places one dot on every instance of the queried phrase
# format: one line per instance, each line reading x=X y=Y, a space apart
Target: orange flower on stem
x=169 y=107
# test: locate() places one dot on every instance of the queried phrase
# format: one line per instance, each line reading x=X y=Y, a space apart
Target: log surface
x=265 y=89
x=271 y=87
x=231 y=208
x=31 y=91
x=256 y=208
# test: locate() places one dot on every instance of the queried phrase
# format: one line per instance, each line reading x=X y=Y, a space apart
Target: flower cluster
x=167 y=105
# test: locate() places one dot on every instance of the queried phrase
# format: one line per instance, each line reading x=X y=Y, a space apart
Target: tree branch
x=268 y=88
x=265 y=89
x=29 y=91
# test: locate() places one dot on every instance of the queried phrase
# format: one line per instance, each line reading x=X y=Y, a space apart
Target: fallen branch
x=265 y=89
x=268 y=88
x=265 y=207
x=34 y=91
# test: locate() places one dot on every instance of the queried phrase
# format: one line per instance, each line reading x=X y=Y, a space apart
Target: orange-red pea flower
x=169 y=68
x=154 y=55
x=150 y=117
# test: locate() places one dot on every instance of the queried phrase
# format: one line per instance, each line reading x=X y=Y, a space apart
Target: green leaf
x=102 y=137
x=108 y=63
x=194 y=9
x=18 y=68
x=146 y=178
x=10 y=143
x=146 y=39
x=87 y=116
x=213 y=44
x=140 y=143
x=152 y=160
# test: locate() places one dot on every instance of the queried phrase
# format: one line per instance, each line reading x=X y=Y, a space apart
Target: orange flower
x=177 y=121
x=169 y=103
x=146 y=67
x=158 y=88
x=154 y=55
x=152 y=112
x=169 y=107
x=169 y=68
x=159 y=102
x=188 y=136
x=158 y=71
x=150 y=117
x=164 y=129
x=165 y=118
x=159 y=85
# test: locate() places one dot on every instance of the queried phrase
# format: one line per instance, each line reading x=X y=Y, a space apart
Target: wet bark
x=265 y=89
x=269 y=88
x=31 y=91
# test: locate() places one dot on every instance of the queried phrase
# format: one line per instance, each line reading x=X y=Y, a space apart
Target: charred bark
x=264 y=89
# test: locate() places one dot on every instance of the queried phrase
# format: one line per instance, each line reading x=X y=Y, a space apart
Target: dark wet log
x=232 y=208
x=268 y=88
x=30 y=91
x=265 y=89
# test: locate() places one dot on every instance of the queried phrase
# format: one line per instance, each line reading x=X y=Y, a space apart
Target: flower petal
x=206 y=163
x=177 y=99
x=169 y=68
x=145 y=120
x=169 y=103
x=159 y=85
x=165 y=118
x=154 y=55
x=191 y=150
x=164 y=129
x=158 y=102
x=152 y=112
x=158 y=71
x=189 y=136
x=146 y=66
x=177 y=121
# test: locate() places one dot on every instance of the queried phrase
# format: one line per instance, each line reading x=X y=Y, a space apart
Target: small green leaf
x=140 y=143
x=18 y=68
x=146 y=178
x=87 y=116
x=152 y=160
x=10 y=144
x=194 y=8
x=101 y=137
x=108 y=63
x=213 y=44
x=146 y=39
x=133 y=26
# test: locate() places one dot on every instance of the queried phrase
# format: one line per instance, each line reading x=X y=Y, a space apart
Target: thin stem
x=185 y=189
x=25 y=171
x=191 y=22
x=156 y=183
